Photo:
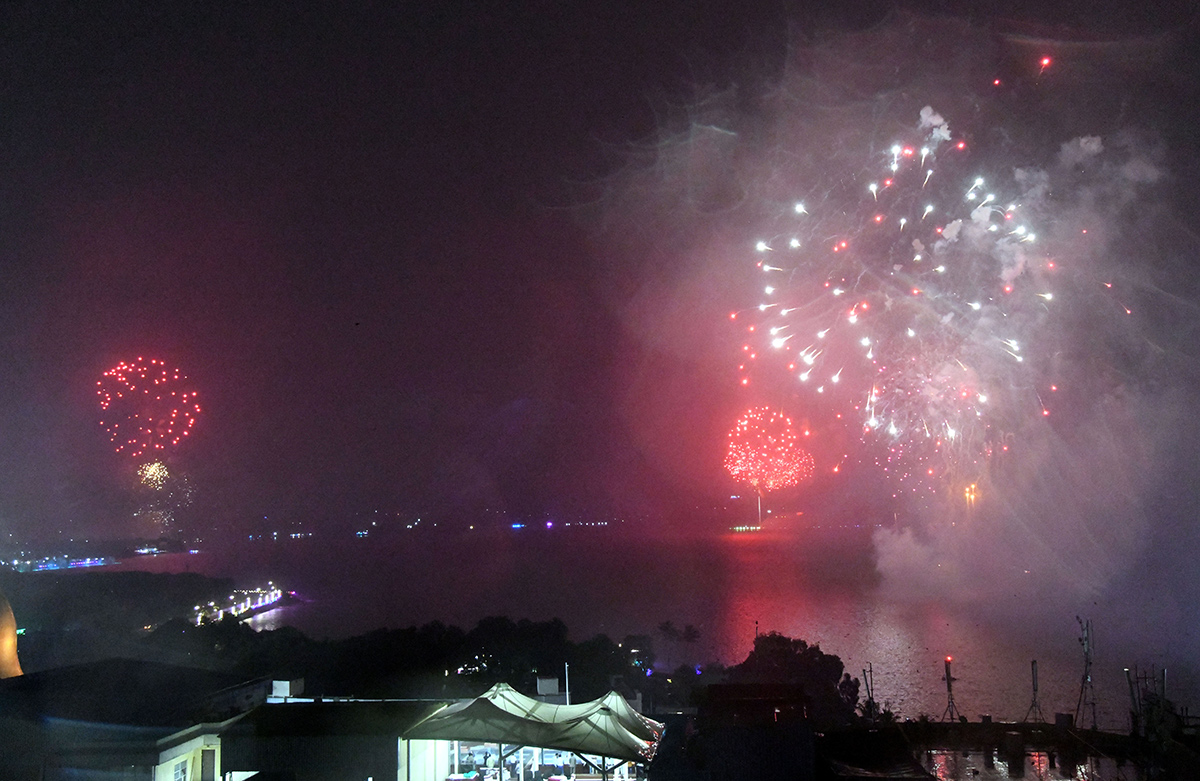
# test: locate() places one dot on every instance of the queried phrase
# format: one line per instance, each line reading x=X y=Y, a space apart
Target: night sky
x=410 y=259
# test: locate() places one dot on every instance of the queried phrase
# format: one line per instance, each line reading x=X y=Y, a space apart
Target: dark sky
x=383 y=244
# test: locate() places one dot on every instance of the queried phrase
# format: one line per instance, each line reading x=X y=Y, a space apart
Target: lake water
x=815 y=585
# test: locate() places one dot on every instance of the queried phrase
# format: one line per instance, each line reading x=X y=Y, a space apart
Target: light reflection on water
x=275 y=618
x=1036 y=766
x=820 y=588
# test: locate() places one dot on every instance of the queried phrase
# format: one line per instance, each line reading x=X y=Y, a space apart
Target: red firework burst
x=145 y=406
x=764 y=451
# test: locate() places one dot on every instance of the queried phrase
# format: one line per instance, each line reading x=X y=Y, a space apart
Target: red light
x=733 y=315
x=745 y=381
x=995 y=82
x=949 y=659
x=1045 y=62
x=907 y=151
x=1008 y=288
x=916 y=291
x=961 y=145
x=878 y=218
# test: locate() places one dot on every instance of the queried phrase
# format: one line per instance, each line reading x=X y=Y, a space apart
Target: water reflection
x=819 y=587
x=1036 y=765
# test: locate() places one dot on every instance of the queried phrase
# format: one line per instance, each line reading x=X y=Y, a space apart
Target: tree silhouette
x=671 y=635
x=831 y=694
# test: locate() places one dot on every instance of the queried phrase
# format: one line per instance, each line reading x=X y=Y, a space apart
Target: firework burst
x=907 y=298
x=146 y=407
x=764 y=451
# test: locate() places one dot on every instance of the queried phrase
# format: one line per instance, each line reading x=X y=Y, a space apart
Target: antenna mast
x=1035 y=708
x=952 y=713
x=1087 y=692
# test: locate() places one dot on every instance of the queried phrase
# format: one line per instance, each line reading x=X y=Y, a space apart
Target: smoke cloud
x=1066 y=501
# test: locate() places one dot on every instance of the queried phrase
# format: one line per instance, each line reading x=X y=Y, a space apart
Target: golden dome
x=9 y=665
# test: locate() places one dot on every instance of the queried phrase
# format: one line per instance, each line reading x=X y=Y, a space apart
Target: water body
x=816 y=585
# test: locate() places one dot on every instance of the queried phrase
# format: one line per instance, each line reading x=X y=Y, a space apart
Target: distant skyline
x=404 y=259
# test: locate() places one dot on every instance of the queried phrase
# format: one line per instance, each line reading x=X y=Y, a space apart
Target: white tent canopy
x=607 y=727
